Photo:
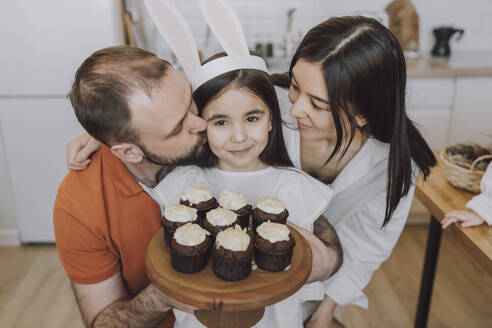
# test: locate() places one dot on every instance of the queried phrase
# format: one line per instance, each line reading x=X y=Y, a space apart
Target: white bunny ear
x=226 y=26
x=176 y=32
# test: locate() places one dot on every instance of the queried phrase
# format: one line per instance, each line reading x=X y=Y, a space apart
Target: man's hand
x=106 y=304
x=467 y=219
x=79 y=151
x=325 y=258
x=164 y=301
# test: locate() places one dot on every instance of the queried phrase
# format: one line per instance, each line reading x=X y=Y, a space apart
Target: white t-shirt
x=305 y=198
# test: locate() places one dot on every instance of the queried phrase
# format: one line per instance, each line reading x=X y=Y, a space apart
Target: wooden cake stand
x=224 y=303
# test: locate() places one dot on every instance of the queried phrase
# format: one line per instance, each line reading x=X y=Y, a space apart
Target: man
x=141 y=109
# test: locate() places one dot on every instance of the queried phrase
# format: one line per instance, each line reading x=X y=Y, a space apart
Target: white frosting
x=180 y=213
x=273 y=232
x=270 y=205
x=232 y=200
x=190 y=234
x=196 y=194
x=221 y=217
x=234 y=239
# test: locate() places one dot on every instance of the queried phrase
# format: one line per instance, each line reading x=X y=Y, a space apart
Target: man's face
x=169 y=129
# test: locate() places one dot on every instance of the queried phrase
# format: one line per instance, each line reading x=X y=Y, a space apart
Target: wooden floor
x=34 y=291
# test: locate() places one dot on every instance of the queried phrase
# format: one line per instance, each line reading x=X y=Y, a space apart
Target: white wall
x=266 y=20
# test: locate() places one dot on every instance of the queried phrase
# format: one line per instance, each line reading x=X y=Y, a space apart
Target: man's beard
x=198 y=153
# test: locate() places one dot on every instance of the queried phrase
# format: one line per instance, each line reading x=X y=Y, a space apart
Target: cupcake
x=175 y=216
x=273 y=246
x=189 y=248
x=269 y=209
x=200 y=198
x=237 y=202
x=232 y=254
x=219 y=219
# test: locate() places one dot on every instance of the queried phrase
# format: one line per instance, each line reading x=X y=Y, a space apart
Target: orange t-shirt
x=103 y=222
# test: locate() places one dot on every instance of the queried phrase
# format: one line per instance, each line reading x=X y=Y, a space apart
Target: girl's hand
x=79 y=151
x=468 y=219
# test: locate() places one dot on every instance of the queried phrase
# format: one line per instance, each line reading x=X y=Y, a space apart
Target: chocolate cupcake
x=175 y=216
x=273 y=246
x=190 y=248
x=219 y=219
x=232 y=254
x=200 y=198
x=237 y=202
x=268 y=209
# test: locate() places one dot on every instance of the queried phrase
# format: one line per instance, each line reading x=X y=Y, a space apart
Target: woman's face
x=308 y=94
x=237 y=132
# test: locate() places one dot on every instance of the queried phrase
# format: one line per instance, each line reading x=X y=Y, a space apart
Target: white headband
x=225 y=25
x=223 y=65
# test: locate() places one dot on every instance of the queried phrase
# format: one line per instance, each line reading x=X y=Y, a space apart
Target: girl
x=248 y=155
x=479 y=207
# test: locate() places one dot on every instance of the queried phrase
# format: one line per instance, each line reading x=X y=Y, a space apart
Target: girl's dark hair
x=365 y=73
x=258 y=83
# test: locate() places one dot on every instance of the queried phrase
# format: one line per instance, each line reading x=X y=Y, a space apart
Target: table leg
x=431 y=254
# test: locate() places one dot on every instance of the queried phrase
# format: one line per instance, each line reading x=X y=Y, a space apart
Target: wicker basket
x=460 y=177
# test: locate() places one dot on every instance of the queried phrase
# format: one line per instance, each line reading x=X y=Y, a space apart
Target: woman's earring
x=270 y=126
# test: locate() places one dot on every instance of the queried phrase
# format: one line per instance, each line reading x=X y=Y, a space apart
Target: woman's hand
x=322 y=317
x=467 y=219
x=79 y=151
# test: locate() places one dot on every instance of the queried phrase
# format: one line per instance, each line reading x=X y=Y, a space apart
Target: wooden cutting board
x=206 y=291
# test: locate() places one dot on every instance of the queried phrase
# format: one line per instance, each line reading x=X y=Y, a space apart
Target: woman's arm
x=366 y=245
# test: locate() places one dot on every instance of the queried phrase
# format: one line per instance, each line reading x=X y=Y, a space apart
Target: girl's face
x=237 y=132
x=308 y=94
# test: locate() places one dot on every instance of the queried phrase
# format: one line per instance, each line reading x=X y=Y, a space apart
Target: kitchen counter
x=464 y=64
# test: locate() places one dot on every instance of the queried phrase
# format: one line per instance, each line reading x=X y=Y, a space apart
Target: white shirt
x=356 y=212
x=482 y=203
x=305 y=198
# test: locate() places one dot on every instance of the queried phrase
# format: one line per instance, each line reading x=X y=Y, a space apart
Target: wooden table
x=440 y=198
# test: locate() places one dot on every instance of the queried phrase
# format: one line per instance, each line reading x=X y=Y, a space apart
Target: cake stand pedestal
x=227 y=303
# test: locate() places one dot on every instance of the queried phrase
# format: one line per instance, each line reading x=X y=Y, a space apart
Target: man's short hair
x=103 y=85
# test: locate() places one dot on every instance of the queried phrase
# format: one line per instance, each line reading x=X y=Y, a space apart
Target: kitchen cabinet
x=9 y=233
x=472 y=111
x=34 y=134
x=429 y=105
x=47 y=41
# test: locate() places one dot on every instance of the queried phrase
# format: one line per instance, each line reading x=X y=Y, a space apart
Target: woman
x=347 y=89
x=348 y=127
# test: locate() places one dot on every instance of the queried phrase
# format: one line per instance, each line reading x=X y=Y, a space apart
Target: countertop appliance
x=443 y=35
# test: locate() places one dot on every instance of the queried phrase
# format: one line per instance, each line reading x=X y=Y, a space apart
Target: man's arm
x=106 y=304
x=327 y=234
x=325 y=248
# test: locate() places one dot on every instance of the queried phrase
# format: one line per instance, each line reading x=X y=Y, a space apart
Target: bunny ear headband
x=224 y=24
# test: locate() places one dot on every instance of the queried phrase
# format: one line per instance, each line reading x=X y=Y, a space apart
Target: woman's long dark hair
x=365 y=73
x=258 y=83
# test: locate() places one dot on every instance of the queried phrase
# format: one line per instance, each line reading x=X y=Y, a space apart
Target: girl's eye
x=251 y=119
x=294 y=86
x=220 y=123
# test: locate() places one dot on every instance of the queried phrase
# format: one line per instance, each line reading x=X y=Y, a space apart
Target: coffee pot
x=443 y=35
